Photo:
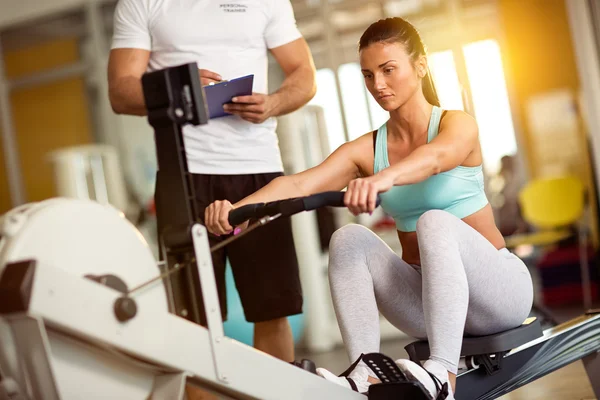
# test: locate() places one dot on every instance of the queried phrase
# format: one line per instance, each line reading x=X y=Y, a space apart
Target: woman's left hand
x=361 y=195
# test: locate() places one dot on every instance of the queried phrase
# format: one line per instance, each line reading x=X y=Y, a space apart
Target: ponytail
x=429 y=90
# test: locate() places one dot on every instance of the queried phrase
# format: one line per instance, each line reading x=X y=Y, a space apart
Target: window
x=490 y=102
x=354 y=100
x=445 y=78
x=327 y=98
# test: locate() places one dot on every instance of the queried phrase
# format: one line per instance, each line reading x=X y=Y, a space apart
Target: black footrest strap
x=394 y=383
x=385 y=368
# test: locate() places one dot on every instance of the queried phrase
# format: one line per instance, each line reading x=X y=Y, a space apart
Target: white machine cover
x=82 y=237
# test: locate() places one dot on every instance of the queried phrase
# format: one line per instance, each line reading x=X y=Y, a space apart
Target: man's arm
x=296 y=90
x=299 y=86
x=125 y=70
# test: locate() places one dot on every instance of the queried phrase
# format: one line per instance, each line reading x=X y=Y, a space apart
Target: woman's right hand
x=216 y=217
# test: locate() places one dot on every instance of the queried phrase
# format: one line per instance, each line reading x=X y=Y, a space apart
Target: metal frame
x=454 y=12
x=210 y=295
x=180 y=87
x=34 y=354
x=587 y=59
x=53 y=75
x=105 y=118
x=332 y=60
x=169 y=386
x=185 y=347
x=9 y=144
x=586 y=283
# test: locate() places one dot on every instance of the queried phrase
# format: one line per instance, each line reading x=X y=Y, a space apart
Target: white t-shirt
x=229 y=37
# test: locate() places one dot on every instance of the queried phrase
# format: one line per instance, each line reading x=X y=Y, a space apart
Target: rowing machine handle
x=244 y=213
x=288 y=207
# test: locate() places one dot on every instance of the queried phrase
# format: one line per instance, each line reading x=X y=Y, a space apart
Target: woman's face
x=390 y=74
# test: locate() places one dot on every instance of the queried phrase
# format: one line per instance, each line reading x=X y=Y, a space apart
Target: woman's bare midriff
x=482 y=221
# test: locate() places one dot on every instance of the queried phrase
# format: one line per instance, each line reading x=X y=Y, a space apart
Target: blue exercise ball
x=236 y=326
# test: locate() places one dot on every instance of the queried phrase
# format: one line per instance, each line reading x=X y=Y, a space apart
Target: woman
x=455 y=276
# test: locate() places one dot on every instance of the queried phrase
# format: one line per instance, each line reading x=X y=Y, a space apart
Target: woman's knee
x=434 y=220
x=349 y=244
x=349 y=236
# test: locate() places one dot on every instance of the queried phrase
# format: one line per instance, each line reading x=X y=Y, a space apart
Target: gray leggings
x=464 y=285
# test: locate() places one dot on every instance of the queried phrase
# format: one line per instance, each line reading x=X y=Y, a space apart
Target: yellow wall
x=540 y=55
x=46 y=117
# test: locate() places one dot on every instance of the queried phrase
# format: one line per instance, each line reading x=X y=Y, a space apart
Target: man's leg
x=265 y=269
x=274 y=337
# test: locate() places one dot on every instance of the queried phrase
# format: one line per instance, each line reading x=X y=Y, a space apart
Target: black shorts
x=263 y=262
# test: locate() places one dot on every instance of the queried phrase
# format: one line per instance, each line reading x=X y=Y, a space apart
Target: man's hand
x=255 y=108
x=207 y=77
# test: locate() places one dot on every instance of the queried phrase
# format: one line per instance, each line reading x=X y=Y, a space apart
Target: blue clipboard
x=221 y=93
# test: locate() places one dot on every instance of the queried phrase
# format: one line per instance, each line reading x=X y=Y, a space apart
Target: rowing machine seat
x=486 y=350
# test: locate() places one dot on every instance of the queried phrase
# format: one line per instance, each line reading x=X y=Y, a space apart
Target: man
x=232 y=156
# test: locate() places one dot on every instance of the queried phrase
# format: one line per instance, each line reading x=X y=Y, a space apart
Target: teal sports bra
x=459 y=191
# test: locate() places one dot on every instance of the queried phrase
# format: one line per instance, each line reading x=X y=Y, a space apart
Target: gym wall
x=46 y=117
x=539 y=57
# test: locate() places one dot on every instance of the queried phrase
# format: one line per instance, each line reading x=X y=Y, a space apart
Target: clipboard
x=221 y=93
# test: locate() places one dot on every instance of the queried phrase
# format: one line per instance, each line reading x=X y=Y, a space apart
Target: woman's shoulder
x=458 y=124
x=452 y=118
